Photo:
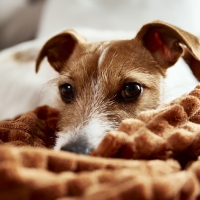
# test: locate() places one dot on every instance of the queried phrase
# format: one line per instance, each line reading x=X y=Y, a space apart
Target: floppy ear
x=166 y=42
x=58 y=49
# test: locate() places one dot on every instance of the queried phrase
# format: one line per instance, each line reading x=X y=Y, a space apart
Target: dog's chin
x=83 y=139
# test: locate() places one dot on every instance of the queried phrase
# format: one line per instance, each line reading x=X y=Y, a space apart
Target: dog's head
x=102 y=83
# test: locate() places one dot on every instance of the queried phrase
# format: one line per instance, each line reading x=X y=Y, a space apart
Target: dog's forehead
x=113 y=61
x=109 y=55
x=114 y=56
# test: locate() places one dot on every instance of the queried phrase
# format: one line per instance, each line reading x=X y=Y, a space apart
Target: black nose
x=79 y=146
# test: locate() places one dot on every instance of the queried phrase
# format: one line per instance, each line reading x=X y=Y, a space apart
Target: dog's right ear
x=58 y=49
x=167 y=43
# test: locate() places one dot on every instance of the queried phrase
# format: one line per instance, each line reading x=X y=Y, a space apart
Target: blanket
x=153 y=156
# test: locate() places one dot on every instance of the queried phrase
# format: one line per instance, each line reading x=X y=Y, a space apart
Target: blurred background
x=24 y=20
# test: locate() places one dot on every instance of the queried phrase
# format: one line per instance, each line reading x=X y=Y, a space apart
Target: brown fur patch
x=26 y=56
x=121 y=64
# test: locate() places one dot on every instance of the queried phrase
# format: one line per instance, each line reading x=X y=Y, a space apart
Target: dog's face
x=102 y=83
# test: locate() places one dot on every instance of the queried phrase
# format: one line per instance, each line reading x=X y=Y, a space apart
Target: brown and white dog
x=102 y=83
x=115 y=75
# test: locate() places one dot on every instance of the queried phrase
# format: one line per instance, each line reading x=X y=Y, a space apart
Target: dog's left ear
x=166 y=42
x=58 y=49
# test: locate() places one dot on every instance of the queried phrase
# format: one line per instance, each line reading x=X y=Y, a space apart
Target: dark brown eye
x=131 y=91
x=66 y=92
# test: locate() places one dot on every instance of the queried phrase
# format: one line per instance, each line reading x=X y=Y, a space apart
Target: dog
x=102 y=83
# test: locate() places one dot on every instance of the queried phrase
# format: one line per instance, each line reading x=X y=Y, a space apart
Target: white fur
x=102 y=56
x=93 y=132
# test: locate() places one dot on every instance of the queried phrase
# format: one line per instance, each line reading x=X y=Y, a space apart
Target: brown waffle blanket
x=154 y=156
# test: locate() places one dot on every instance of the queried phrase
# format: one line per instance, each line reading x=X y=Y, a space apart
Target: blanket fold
x=153 y=156
x=168 y=132
x=36 y=128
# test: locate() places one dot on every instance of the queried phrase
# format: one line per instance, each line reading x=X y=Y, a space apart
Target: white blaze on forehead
x=95 y=125
x=103 y=54
x=92 y=133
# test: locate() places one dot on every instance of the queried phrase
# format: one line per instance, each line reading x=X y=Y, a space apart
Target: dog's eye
x=66 y=92
x=131 y=91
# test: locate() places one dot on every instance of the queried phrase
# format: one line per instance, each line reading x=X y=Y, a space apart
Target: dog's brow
x=109 y=69
x=124 y=63
x=137 y=75
x=83 y=64
x=63 y=78
x=113 y=56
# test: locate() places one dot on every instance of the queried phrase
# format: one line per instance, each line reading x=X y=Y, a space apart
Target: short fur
x=98 y=71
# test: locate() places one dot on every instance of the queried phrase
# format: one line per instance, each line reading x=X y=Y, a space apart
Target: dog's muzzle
x=79 y=146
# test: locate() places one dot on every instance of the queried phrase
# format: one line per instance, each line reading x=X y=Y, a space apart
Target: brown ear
x=166 y=42
x=58 y=49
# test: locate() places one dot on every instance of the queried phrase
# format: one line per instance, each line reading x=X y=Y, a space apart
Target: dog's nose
x=76 y=148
